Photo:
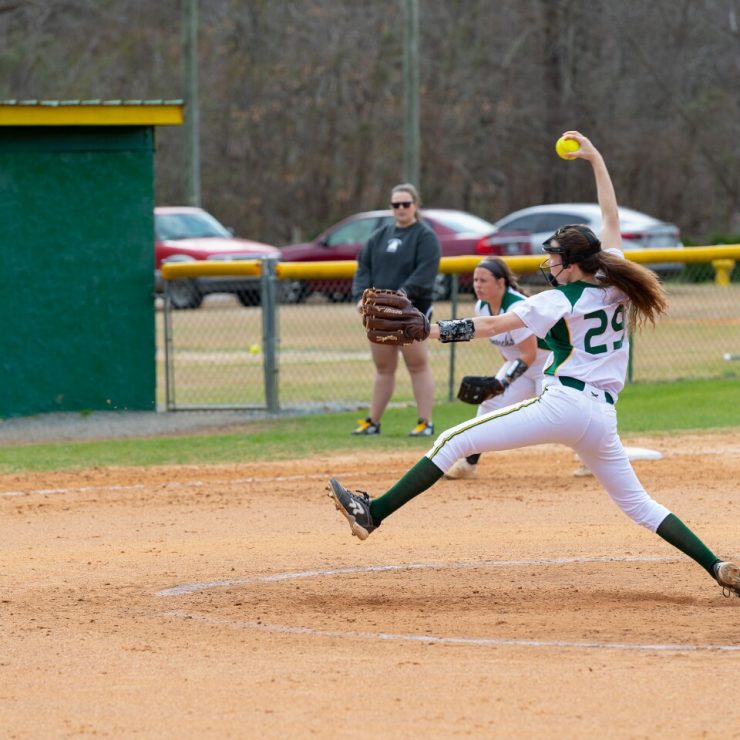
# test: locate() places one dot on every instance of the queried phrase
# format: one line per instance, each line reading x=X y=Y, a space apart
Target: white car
x=639 y=231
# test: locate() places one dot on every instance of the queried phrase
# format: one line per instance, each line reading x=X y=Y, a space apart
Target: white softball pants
x=560 y=415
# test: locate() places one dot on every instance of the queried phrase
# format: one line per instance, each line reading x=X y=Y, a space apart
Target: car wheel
x=293 y=291
x=249 y=298
x=338 y=296
x=441 y=289
x=185 y=294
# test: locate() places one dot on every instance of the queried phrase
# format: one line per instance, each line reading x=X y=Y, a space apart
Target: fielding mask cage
x=568 y=258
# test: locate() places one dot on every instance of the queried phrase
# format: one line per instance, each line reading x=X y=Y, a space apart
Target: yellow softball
x=565 y=146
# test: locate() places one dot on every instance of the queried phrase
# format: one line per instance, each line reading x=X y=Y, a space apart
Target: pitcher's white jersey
x=585 y=326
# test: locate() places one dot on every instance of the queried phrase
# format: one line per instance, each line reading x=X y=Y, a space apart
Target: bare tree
x=301 y=102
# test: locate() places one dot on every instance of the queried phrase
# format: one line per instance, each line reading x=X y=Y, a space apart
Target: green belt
x=579 y=385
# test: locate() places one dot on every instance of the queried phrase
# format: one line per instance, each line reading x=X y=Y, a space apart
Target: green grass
x=680 y=406
x=643 y=408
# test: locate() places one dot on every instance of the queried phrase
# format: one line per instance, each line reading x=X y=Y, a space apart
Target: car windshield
x=463 y=223
x=187 y=226
x=354 y=232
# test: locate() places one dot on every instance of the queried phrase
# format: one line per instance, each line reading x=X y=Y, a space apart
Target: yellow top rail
x=330 y=270
x=197 y=268
x=91 y=113
x=337 y=269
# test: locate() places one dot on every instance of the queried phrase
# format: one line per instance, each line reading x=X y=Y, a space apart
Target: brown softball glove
x=389 y=317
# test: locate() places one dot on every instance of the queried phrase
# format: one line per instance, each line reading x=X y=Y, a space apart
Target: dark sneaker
x=366 y=426
x=354 y=507
x=728 y=576
x=424 y=428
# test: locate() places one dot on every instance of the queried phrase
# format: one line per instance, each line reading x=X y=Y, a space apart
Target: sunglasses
x=402 y=204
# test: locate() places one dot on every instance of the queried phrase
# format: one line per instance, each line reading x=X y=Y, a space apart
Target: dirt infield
x=230 y=601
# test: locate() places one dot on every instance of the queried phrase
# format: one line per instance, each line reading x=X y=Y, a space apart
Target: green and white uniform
x=584 y=325
x=529 y=383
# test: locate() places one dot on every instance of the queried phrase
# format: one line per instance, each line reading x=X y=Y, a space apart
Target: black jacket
x=397 y=259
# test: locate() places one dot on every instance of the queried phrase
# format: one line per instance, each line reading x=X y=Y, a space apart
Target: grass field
x=643 y=408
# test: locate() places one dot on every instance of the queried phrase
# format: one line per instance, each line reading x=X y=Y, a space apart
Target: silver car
x=639 y=231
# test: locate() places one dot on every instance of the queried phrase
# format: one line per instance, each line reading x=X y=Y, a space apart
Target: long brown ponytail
x=579 y=245
x=642 y=286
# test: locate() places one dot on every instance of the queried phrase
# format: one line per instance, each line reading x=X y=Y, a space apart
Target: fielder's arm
x=528 y=350
x=511 y=371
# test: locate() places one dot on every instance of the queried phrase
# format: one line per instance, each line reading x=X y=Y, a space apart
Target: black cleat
x=354 y=507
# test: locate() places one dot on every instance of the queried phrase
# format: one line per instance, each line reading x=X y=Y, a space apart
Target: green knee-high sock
x=675 y=532
x=423 y=475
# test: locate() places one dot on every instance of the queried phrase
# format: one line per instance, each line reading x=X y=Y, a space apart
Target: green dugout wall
x=77 y=255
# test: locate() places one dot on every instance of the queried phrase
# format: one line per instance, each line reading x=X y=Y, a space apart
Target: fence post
x=268 y=300
x=169 y=359
x=723 y=271
x=454 y=295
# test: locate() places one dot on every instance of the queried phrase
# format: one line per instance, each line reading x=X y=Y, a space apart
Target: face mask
x=552 y=279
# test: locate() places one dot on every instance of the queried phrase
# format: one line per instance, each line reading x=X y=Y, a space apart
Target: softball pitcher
x=520 y=377
x=598 y=294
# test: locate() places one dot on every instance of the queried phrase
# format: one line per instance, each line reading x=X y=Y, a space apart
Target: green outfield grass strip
x=643 y=408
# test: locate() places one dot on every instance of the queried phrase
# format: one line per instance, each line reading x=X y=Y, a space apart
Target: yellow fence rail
x=722 y=258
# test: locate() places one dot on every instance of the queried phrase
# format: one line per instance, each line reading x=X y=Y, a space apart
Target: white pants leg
x=550 y=417
x=602 y=453
x=564 y=416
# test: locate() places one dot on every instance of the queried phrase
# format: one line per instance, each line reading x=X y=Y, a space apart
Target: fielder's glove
x=478 y=388
x=389 y=317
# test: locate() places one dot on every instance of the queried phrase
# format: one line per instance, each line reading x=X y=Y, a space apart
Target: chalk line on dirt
x=448 y=640
x=170 y=484
x=191 y=588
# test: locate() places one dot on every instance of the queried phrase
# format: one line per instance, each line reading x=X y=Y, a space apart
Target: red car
x=185 y=233
x=459 y=233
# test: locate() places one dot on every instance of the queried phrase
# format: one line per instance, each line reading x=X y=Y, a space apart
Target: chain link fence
x=304 y=347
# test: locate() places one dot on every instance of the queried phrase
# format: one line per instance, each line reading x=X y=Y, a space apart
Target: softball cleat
x=728 y=576
x=461 y=469
x=354 y=507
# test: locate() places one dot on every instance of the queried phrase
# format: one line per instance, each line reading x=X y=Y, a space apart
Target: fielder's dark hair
x=499 y=269
x=579 y=245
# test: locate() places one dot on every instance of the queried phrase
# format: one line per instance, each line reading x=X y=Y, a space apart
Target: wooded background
x=302 y=100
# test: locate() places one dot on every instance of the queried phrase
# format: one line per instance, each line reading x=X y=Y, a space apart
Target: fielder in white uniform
x=497 y=290
x=598 y=295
